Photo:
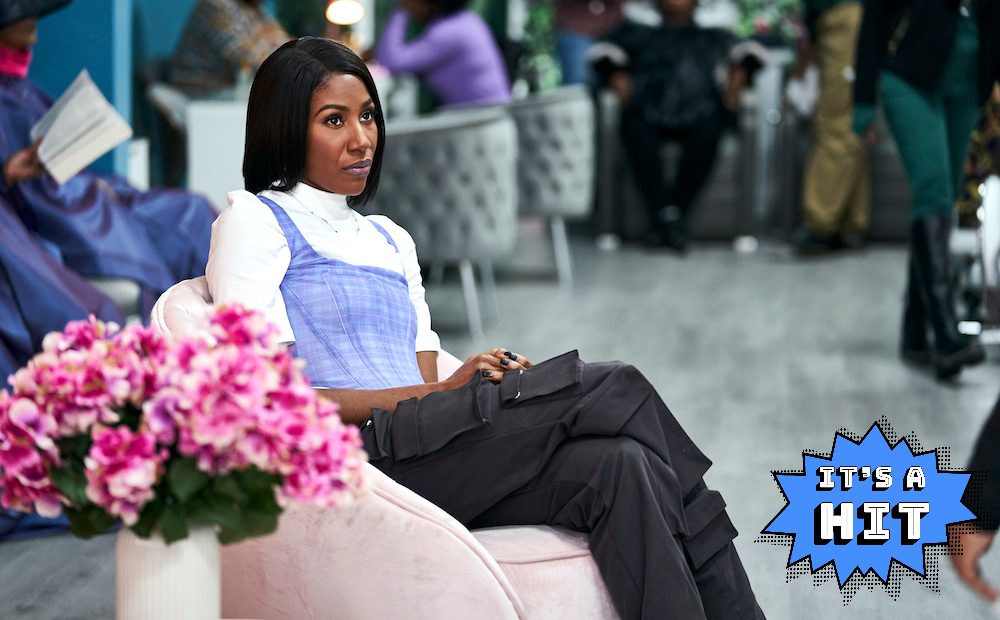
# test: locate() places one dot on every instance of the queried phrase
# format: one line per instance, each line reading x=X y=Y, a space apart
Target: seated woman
x=220 y=39
x=591 y=447
x=455 y=54
x=100 y=225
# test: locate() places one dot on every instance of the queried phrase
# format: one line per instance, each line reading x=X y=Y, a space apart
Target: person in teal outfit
x=934 y=63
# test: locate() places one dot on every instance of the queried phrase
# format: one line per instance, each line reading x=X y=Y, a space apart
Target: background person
x=982 y=162
x=934 y=63
x=587 y=446
x=455 y=54
x=579 y=24
x=220 y=39
x=666 y=77
x=836 y=187
x=99 y=225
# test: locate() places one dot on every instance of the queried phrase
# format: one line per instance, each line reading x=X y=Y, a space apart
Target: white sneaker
x=608 y=242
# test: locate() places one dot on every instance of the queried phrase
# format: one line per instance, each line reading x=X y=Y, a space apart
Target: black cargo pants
x=590 y=447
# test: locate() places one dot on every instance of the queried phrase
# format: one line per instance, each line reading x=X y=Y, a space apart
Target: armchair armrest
x=391 y=554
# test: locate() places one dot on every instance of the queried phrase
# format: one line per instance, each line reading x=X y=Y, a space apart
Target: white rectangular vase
x=156 y=581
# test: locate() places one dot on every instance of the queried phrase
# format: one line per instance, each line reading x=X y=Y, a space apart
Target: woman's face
x=342 y=136
x=20 y=35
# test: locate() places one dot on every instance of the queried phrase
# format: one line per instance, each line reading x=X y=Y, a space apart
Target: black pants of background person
x=591 y=447
x=669 y=205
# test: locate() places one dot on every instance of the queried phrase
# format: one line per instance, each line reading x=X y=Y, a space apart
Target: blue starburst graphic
x=868 y=504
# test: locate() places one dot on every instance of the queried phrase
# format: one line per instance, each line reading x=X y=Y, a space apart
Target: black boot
x=668 y=231
x=914 y=346
x=929 y=237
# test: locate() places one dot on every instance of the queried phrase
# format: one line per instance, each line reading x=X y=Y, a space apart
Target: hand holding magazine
x=80 y=127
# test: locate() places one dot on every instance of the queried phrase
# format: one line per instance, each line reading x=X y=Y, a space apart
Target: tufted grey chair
x=556 y=162
x=451 y=181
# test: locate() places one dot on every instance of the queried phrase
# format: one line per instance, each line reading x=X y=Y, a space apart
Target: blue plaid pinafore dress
x=354 y=325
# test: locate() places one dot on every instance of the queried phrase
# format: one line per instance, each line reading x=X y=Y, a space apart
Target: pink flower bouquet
x=109 y=424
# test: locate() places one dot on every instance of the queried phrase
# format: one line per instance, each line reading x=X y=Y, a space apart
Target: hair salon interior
x=785 y=213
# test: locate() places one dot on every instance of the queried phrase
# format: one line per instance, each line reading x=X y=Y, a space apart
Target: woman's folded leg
x=661 y=554
x=467 y=448
x=588 y=446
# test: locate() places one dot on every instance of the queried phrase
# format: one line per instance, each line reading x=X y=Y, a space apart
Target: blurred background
x=573 y=181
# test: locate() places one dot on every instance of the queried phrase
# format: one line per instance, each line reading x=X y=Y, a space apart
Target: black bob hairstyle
x=278 y=113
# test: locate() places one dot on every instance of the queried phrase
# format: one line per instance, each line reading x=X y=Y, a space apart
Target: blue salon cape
x=37 y=295
x=101 y=225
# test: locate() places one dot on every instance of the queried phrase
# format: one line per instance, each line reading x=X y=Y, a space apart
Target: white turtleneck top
x=249 y=254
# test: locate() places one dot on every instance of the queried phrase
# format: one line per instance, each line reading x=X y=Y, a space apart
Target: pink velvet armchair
x=393 y=554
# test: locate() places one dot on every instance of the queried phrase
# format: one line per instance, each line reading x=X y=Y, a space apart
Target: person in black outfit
x=933 y=64
x=668 y=79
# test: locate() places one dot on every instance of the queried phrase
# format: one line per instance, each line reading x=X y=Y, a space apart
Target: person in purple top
x=455 y=55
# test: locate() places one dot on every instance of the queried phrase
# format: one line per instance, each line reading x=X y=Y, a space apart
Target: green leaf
x=228 y=487
x=253 y=480
x=148 y=518
x=74 y=448
x=71 y=481
x=173 y=524
x=252 y=524
x=216 y=509
x=185 y=479
x=264 y=501
x=130 y=415
x=88 y=521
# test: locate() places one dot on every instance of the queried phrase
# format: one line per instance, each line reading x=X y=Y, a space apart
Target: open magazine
x=78 y=129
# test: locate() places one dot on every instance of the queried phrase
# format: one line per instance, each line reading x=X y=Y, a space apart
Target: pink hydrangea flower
x=329 y=473
x=233 y=399
x=79 y=376
x=79 y=335
x=26 y=452
x=121 y=469
x=234 y=325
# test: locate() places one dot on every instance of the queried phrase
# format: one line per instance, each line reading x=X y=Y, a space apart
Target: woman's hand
x=973 y=546
x=491 y=365
x=23 y=165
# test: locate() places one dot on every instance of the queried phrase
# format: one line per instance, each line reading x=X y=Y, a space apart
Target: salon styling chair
x=451 y=182
x=555 y=165
x=391 y=553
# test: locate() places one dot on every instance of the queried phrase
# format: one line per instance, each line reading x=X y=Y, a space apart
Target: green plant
x=539 y=61
x=769 y=18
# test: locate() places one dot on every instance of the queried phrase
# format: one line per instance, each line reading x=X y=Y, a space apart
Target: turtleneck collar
x=15 y=62
x=323 y=203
